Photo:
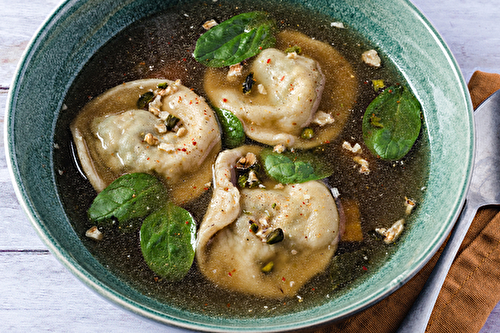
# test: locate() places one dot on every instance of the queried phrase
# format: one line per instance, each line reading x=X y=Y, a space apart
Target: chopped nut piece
x=151 y=139
x=279 y=148
x=339 y=25
x=322 y=118
x=279 y=186
x=94 y=233
x=261 y=89
x=169 y=148
x=363 y=163
x=409 y=204
x=356 y=149
x=393 y=232
x=234 y=71
x=209 y=24
x=173 y=87
x=371 y=58
x=181 y=132
x=246 y=162
x=155 y=106
x=161 y=128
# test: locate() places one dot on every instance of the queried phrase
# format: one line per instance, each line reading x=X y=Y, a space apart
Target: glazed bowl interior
x=77 y=29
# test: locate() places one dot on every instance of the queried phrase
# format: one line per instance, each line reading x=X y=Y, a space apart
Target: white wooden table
x=37 y=294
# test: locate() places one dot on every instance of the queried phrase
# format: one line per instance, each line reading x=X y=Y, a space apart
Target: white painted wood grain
x=37 y=294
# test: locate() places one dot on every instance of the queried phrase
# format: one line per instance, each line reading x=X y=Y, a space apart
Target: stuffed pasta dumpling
x=281 y=92
x=175 y=136
x=236 y=248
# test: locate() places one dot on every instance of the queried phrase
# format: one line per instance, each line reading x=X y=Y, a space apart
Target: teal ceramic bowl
x=77 y=29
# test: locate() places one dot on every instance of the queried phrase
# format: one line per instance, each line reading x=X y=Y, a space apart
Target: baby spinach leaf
x=167 y=240
x=235 y=40
x=296 y=167
x=127 y=200
x=233 y=134
x=392 y=123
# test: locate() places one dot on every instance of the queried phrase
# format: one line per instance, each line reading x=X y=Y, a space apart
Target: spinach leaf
x=296 y=167
x=391 y=123
x=235 y=40
x=167 y=240
x=233 y=134
x=128 y=199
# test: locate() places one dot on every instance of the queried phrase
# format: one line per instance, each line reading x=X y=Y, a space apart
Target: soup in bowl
x=266 y=167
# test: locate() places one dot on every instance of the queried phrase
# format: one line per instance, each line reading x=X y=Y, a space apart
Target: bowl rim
x=114 y=297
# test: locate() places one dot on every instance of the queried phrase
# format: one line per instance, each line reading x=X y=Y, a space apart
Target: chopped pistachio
x=253 y=227
x=297 y=49
x=248 y=84
x=144 y=99
x=268 y=267
x=378 y=84
x=307 y=133
x=275 y=236
x=162 y=85
x=171 y=121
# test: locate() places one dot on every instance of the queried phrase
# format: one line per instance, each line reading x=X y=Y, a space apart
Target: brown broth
x=162 y=46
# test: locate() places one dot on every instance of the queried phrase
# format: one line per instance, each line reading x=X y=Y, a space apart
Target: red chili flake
x=156 y=279
x=183 y=149
x=364 y=268
x=194 y=143
x=390 y=90
x=260 y=47
x=327 y=141
x=205 y=188
x=228 y=305
x=184 y=59
x=224 y=100
x=148 y=158
x=194 y=187
x=283 y=78
x=187 y=222
x=229 y=274
x=313 y=289
x=269 y=60
x=283 y=279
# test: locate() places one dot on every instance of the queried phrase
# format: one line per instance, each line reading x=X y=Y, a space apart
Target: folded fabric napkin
x=472 y=287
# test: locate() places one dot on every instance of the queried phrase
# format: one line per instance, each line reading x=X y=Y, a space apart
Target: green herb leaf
x=233 y=134
x=168 y=241
x=292 y=168
x=235 y=40
x=127 y=200
x=392 y=123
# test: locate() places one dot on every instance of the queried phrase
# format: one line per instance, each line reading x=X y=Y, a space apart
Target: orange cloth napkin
x=472 y=287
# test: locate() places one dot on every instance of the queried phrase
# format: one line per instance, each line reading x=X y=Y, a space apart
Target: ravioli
x=289 y=93
x=234 y=257
x=113 y=137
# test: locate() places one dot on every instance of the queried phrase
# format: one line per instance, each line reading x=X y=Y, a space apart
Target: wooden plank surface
x=39 y=295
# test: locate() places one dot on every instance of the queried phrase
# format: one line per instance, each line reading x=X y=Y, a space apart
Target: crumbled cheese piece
x=365 y=169
x=409 y=204
x=279 y=148
x=291 y=55
x=169 y=148
x=356 y=149
x=209 y=24
x=94 y=233
x=322 y=118
x=279 y=186
x=294 y=252
x=151 y=139
x=339 y=25
x=393 y=232
x=181 y=132
x=371 y=58
x=261 y=89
